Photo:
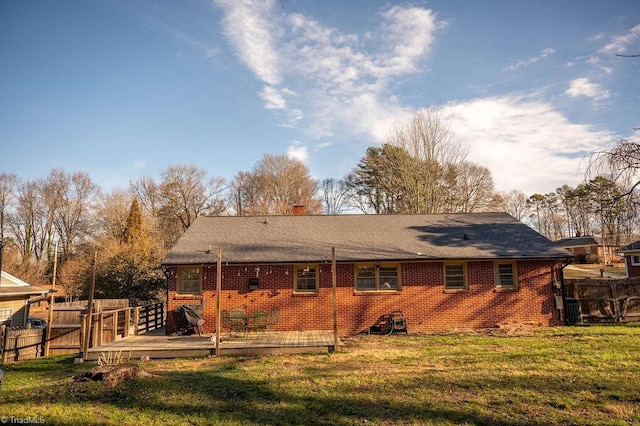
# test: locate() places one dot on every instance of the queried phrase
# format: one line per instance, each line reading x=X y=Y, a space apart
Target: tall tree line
x=421 y=168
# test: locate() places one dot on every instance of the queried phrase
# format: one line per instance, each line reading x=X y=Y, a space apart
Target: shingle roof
x=633 y=247
x=586 y=240
x=290 y=239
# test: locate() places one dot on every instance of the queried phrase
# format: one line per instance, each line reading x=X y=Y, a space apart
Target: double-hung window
x=306 y=279
x=189 y=280
x=377 y=277
x=506 y=275
x=455 y=276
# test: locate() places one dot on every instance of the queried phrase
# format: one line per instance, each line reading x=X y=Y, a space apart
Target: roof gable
x=13 y=286
x=291 y=239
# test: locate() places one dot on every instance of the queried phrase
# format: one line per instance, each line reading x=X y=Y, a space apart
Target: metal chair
x=273 y=318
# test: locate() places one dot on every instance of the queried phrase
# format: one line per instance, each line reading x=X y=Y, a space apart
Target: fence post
x=136 y=320
x=3 y=348
x=114 y=322
x=127 y=322
x=100 y=328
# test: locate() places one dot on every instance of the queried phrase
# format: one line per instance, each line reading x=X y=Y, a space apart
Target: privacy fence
x=112 y=319
x=600 y=300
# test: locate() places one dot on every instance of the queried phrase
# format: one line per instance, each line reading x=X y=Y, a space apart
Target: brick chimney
x=298 y=210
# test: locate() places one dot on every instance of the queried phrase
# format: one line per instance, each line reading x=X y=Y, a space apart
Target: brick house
x=587 y=244
x=448 y=271
x=631 y=255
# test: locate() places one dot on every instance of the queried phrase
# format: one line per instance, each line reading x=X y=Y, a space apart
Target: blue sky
x=123 y=89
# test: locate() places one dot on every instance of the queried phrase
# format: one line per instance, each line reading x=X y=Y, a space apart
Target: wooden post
x=85 y=346
x=127 y=322
x=100 y=327
x=335 y=299
x=52 y=299
x=136 y=320
x=4 y=332
x=115 y=325
x=218 y=300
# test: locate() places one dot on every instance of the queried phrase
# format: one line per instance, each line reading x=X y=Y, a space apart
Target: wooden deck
x=158 y=345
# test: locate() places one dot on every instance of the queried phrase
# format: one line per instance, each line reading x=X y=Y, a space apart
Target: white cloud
x=527 y=144
x=298 y=151
x=619 y=44
x=250 y=27
x=522 y=63
x=273 y=98
x=342 y=79
x=138 y=164
x=584 y=87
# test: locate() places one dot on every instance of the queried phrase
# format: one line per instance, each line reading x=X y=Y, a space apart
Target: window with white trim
x=306 y=279
x=377 y=277
x=506 y=275
x=635 y=260
x=455 y=276
x=189 y=280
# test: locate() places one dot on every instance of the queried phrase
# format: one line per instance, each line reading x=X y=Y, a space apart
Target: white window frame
x=465 y=280
x=635 y=259
x=299 y=272
x=379 y=286
x=180 y=280
x=514 y=275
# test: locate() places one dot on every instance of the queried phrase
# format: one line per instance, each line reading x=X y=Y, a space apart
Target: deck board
x=157 y=345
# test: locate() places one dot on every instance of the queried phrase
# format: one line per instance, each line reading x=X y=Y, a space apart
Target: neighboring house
x=448 y=271
x=14 y=300
x=631 y=255
x=585 y=245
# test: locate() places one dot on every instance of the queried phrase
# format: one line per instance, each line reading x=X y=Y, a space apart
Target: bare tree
x=31 y=222
x=514 y=203
x=8 y=182
x=431 y=149
x=274 y=186
x=111 y=213
x=71 y=198
x=470 y=187
x=334 y=196
x=187 y=193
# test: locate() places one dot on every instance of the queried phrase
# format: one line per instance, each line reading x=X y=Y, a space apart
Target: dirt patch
x=111 y=375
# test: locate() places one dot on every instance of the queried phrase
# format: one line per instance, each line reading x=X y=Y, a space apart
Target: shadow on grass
x=222 y=395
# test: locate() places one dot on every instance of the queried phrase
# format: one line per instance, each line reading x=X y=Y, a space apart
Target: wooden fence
x=20 y=344
x=69 y=324
x=606 y=300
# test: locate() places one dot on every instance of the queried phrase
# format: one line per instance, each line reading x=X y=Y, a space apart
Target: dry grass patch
x=539 y=377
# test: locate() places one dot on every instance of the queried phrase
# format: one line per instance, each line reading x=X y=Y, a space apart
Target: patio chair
x=258 y=322
x=238 y=320
x=273 y=318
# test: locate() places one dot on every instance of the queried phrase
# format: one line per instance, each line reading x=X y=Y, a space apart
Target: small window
x=306 y=279
x=5 y=316
x=455 y=276
x=377 y=277
x=506 y=276
x=189 y=280
x=635 y=260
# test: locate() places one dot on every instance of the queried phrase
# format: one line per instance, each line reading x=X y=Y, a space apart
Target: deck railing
x=67 y=337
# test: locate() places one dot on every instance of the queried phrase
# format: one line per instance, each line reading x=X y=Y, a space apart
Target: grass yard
x=558 y=376
x=587 y=270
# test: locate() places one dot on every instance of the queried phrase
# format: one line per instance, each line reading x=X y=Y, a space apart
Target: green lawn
x=558 y=376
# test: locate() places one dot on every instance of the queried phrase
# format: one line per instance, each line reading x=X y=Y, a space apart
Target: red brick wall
x=423 y=300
